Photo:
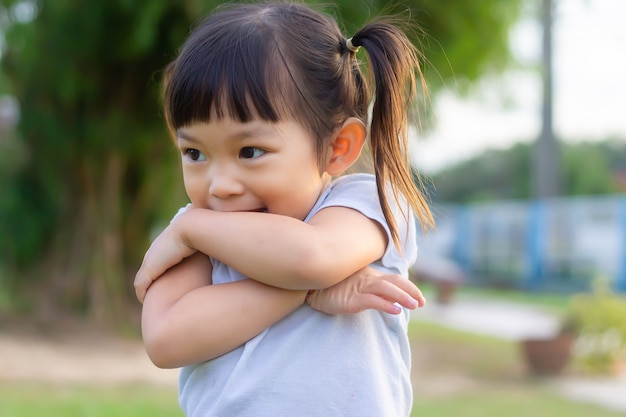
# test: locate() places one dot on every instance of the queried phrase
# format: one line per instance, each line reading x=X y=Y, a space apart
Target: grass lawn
x=27 y=400
x=552 y=302
x=507 y=401
x=70 y=400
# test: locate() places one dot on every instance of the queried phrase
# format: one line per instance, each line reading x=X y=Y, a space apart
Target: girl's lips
x=257 y=210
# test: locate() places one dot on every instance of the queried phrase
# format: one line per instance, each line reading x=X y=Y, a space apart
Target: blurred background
x=523 y=153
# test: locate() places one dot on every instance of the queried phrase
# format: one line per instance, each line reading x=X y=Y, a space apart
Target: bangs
x=229 y=70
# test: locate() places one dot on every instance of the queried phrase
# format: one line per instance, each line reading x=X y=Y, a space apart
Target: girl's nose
x=224 y=186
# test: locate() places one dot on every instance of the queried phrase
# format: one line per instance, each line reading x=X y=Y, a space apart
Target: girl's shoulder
x=356 y=191
x=355 y=182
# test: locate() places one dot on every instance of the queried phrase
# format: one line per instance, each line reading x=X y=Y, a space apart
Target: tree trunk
x=105 y=275
x=84 y=270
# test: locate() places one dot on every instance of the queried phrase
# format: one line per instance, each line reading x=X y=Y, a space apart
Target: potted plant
x=548 y=356
x=598 y=319
x=592 y=333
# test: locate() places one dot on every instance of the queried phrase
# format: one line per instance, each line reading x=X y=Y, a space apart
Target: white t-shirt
x=312 y=364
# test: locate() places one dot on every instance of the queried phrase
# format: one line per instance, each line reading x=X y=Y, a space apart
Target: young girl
x=267 y=103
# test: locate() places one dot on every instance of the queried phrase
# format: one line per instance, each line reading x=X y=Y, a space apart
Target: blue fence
x=560 y=244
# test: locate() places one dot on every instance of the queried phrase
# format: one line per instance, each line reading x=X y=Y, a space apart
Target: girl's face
x=255 y=166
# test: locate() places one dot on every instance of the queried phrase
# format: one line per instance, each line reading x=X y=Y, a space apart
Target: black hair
x=276 y=61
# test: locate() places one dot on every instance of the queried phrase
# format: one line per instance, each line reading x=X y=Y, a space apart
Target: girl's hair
x=278 y=61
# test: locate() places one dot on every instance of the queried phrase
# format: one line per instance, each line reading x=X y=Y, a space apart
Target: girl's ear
x=346 y=146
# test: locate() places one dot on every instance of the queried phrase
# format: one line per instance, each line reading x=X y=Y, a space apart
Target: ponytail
x=394 y=68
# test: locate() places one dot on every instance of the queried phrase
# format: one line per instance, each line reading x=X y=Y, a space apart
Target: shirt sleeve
x=359 y=192
x=179 y=212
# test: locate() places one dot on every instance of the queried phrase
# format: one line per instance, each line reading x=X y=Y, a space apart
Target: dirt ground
x=75 y=353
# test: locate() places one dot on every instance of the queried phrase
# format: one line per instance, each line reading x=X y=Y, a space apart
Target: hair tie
x=351 y=47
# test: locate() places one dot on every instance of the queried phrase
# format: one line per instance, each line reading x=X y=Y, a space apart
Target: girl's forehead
x=229 y=126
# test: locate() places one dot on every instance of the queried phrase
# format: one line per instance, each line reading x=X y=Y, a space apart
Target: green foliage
x=588 y=168
x=460 y=40
x=599 y=321
x=15 y=196
x=86 y=76
x=496 y=174
x=466 y=44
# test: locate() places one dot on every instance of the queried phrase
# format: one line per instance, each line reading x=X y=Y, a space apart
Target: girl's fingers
x=394 y=293
x=141 y=283
x=376 y=302
x=140 y=290
x=409 y=287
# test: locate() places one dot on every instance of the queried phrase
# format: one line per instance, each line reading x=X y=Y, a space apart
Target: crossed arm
x=277 y=250
x=284 y=259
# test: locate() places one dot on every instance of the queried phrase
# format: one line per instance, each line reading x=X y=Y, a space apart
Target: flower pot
x=548 y=356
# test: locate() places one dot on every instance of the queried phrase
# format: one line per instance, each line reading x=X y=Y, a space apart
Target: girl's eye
x=194 y=155
x=250 y=152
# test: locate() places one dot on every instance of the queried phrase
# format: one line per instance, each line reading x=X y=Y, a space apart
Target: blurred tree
x=100 y=175
x=589 y=168
x=85 y=75
x=461 y=40
x=495 y=174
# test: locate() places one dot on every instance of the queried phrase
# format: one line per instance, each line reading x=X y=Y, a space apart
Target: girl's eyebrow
x=244 y=133
x=185 y=136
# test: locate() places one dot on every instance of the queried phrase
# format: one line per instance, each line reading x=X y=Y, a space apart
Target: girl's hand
x=166 y=251
x=367 y=289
